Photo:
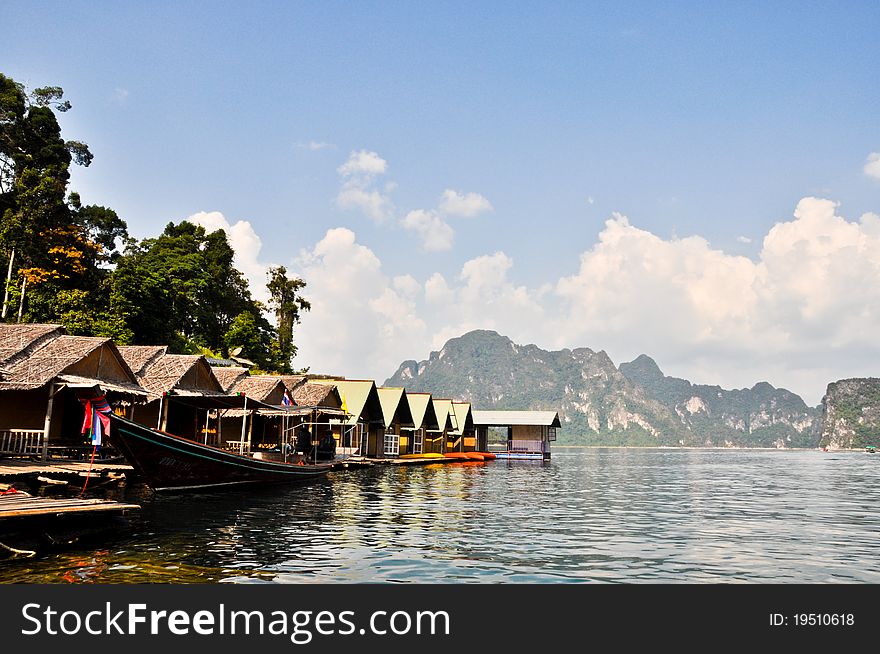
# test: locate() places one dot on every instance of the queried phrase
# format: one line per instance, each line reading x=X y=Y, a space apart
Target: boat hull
x=171 y=463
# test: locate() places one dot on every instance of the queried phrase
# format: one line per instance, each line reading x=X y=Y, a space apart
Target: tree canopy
x=180 y=288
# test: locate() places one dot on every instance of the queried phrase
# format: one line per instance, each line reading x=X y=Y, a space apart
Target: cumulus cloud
x=362 y=322
x=247 y=245
x=805 y=311
x=315 y=146
x=872 y=165
x=804 y=308
x=453 y=203
x=360 y=188
x=436 y=235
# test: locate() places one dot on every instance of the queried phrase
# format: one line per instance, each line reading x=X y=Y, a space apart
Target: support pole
x=47 y=423
x=165 y=415
x=243 y=422
x=8 y=282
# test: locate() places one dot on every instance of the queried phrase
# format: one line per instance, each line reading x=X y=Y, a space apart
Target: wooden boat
x=171 y=463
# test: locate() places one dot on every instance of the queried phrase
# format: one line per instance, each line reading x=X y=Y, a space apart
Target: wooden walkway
x=23 y=505
x=11 y=468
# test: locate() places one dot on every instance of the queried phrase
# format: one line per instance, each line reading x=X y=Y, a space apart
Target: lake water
x=589 y=515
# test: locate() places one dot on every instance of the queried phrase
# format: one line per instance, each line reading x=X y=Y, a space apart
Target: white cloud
x=247 y=246
x=359 y=185
x=315 y=146
x=743 y=239
x=363 y=163
x=453 y=203
x=435 y=233
x=804 y=312
x=362 y=323
x=872 y=165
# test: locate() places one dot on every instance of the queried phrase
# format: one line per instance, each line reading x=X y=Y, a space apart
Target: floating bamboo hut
x=425 y=423
x=397 y=418
x=41 y=367
x=517 y=434
x=462 y=438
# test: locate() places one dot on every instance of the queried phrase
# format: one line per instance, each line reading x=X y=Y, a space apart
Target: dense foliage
x=180 y=288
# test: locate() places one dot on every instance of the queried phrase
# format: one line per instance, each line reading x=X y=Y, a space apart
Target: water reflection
x=591 y=515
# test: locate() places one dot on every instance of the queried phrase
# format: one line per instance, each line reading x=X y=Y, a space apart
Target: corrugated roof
x=395 y=406
x=506 y=418
x=355 y=394
x=18 y=341
x=228 y=376
x=422 y=410
x=463 y=416
x=139 y=357
x=445 y=416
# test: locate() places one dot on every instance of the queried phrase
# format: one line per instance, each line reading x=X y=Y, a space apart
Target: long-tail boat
x=172 y=463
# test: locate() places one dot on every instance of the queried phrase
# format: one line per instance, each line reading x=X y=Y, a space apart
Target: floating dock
x=18 y=505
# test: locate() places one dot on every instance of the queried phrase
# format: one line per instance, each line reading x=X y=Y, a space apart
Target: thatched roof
x=228 y=376
x=138 y=357
x=18 y=341
x=179 y=372
x=84 y=357
x=311 y=394
x=265 y=388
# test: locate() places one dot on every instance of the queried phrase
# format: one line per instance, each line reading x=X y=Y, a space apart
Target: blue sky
x=704 y=120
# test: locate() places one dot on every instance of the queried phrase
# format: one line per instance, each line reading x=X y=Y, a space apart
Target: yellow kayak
x=430 y=455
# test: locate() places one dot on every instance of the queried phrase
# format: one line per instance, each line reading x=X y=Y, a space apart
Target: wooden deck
x=11 y=468
x=22 y=505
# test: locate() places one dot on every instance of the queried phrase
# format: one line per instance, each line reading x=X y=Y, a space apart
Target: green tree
x=60 y=246
x=182 y=289
x=288 y=304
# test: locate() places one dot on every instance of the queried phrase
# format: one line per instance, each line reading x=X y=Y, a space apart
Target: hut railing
x=21 y=442
x=518 y=446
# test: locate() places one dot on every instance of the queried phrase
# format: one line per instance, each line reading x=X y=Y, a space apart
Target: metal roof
x=508 y=418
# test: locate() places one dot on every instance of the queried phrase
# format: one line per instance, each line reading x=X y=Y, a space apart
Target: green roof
x=355 y=394
x=443 y=409
x=394 y=405
x=462 y=411
x=418 y=406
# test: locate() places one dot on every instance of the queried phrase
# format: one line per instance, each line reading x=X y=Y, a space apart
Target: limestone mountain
x=761 y=416
x=596 y=403
x=601 y=404
x=851 y=414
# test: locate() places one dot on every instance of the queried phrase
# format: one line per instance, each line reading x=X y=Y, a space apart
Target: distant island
x=635 y=403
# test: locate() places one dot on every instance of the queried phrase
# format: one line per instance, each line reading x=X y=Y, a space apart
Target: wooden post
x=47 y=423
x=250 y=430
x=165 y=416
x=21 y=300
x=243 y=421
x=8 y=281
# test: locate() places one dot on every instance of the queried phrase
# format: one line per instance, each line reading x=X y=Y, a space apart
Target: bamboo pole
x=21 y=300
x=8 y=282
x=243 y=421
x=47 y=422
